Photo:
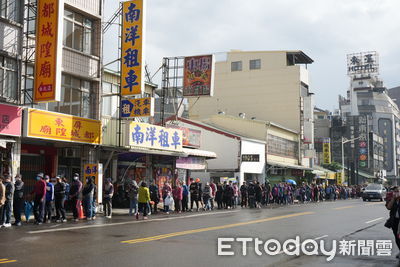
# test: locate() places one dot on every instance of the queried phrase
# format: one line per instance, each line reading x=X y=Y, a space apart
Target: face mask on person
x=37 y=178
x=75 y=178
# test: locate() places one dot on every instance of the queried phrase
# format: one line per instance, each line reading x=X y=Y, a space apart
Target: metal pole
x=343 y=160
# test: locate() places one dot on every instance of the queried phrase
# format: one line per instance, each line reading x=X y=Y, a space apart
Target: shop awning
x=200 y=153
x=136 y=149
x=324 y=173
x=287 y=165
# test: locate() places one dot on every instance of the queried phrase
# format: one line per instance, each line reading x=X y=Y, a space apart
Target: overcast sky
x=326 y=30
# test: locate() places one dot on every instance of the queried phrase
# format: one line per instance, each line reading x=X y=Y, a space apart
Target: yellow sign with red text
x=132 y=52
x=48 y=50
x=57 y=126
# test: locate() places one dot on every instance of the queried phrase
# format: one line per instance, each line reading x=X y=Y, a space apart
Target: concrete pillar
x=15 y=158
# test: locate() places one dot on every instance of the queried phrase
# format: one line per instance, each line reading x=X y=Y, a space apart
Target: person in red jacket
x=39 y=198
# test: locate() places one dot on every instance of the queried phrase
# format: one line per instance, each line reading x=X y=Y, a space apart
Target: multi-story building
x=369 y=109
x=47 y=149
x=11 y=28
x=267 y=85
x=322 y=125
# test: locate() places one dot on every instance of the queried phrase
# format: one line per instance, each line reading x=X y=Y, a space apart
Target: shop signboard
x=339 y=177
x=10 y=120
x=132 y=50
x=61 y=127
x=198 y=76
x=191 y=163
x=155 y=137
x=190 y=137
x=137 y=107
x=95 y=171
x=250 y=157
x=363 y=63
x=363 y=141
x=48 y=53
x=326 y=150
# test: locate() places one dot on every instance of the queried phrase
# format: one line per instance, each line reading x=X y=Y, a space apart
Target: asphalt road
x=191 y=239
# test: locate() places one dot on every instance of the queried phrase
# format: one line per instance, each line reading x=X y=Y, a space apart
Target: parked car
x=374 y=191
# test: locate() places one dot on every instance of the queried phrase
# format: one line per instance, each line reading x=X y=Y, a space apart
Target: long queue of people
x=49 y=200
x=227 y=195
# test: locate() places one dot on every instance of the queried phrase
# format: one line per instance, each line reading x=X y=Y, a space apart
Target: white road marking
x=374 y=220
x=123 y=223
x=292 y=247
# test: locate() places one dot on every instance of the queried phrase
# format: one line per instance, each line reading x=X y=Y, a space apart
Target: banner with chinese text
x=152 y=136
x=137 y=107
x=198 y=76
x=48 y=51
x=362 y=141
x=132 y=49
x=10 y=120
x=326 y=149
x=95 y=171
x=62 y=127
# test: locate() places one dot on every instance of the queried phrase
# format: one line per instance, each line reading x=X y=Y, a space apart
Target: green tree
x=333 y=166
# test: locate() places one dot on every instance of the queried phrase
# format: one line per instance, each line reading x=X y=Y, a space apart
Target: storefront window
x=78 y=32
x=282 y=147
x=11 y=9
x=76 y=98
x=8 y=79
x=110 y=100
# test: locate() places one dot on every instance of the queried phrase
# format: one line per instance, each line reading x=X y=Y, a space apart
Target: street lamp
x=344 y=141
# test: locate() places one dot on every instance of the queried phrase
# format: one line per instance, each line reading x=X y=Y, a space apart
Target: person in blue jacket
x=49 y=200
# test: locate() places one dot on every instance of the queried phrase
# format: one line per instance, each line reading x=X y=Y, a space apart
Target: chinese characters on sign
x=361 y=63
x=385 y=127
x=132 y=65
x=152 y=136
x=198 y=76
x=251 y=157
x=191 y=163
x=48 y=50
x=10 y=120
x=57 y=126
x=191 y=137
x=137 y=107
x=363 y=141
x=326 y=150
x=94 y=171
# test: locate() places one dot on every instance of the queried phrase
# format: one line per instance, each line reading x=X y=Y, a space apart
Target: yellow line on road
x=7 y=261
x=158 y=237
x=345 y=207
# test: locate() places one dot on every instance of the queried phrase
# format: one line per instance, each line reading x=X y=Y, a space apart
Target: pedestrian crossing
x=6 y=261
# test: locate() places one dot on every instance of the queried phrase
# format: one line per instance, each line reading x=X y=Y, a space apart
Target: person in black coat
x=219 y=196
x=59 y=196
x=18 y=202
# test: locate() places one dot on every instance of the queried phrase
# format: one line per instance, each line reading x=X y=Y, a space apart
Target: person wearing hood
x=39 y=198
x=75 y=195
x=108 y=193
x=18 y=203
x=87 y=198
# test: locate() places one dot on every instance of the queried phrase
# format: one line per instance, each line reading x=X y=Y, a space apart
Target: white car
x=374 y=191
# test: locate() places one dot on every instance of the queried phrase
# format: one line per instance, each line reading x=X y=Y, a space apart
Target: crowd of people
x=50 y=199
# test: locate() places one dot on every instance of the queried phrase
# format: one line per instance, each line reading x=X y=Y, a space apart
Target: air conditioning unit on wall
x=70 y=152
